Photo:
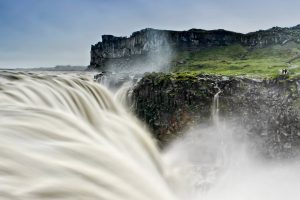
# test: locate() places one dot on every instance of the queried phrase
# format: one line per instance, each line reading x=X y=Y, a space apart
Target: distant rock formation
x=123 y=52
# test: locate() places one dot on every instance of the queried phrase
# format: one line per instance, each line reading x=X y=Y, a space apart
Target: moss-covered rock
x=268 y=109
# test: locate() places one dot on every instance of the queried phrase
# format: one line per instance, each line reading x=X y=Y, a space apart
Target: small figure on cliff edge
x=284 y=71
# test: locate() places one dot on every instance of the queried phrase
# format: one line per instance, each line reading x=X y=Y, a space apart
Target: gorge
x=264 y=101
x=149 y=100
x=216 y=121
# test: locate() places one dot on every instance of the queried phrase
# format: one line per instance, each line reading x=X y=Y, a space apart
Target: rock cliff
x=268 y=109
x=121 y=52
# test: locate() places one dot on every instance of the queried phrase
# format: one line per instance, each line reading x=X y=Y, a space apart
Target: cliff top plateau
x=261 y=53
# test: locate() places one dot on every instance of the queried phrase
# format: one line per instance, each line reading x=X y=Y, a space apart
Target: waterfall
x=215 y=106
x=120 y=84
x=220 y=157
x=124 y=93
x=65 y=137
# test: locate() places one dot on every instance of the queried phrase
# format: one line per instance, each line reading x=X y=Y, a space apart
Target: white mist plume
x=221 y=163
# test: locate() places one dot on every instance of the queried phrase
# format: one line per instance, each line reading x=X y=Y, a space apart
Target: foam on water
x=66 y=138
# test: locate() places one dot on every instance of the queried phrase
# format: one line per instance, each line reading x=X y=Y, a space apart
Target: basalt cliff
x=268 y=110
x=124 y=52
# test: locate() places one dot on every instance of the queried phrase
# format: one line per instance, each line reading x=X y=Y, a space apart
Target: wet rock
x=268 y=109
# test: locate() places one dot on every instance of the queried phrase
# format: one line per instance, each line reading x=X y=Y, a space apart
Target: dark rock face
x=168 y=105
x=121 y=52
x=267 y=109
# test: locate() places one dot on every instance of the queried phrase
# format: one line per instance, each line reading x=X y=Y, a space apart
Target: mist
x=223 y=162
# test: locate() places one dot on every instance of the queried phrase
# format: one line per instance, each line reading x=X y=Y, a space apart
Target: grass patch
x=236 y=60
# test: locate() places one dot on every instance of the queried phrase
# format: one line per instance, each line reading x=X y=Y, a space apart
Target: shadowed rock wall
x=268 y=109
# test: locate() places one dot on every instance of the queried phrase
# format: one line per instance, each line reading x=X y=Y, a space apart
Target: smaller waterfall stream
x=215 y=106
x=219 y=128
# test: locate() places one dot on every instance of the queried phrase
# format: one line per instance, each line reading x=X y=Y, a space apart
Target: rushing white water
x=66 y=137
x=124 y=93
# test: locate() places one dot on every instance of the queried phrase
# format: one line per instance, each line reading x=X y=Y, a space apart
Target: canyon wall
x=148 y=45
x=266 y=109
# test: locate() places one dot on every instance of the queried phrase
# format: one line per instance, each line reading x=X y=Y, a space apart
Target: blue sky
x=44 y=33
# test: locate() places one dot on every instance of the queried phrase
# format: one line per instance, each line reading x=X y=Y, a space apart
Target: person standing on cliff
x=284 y=71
